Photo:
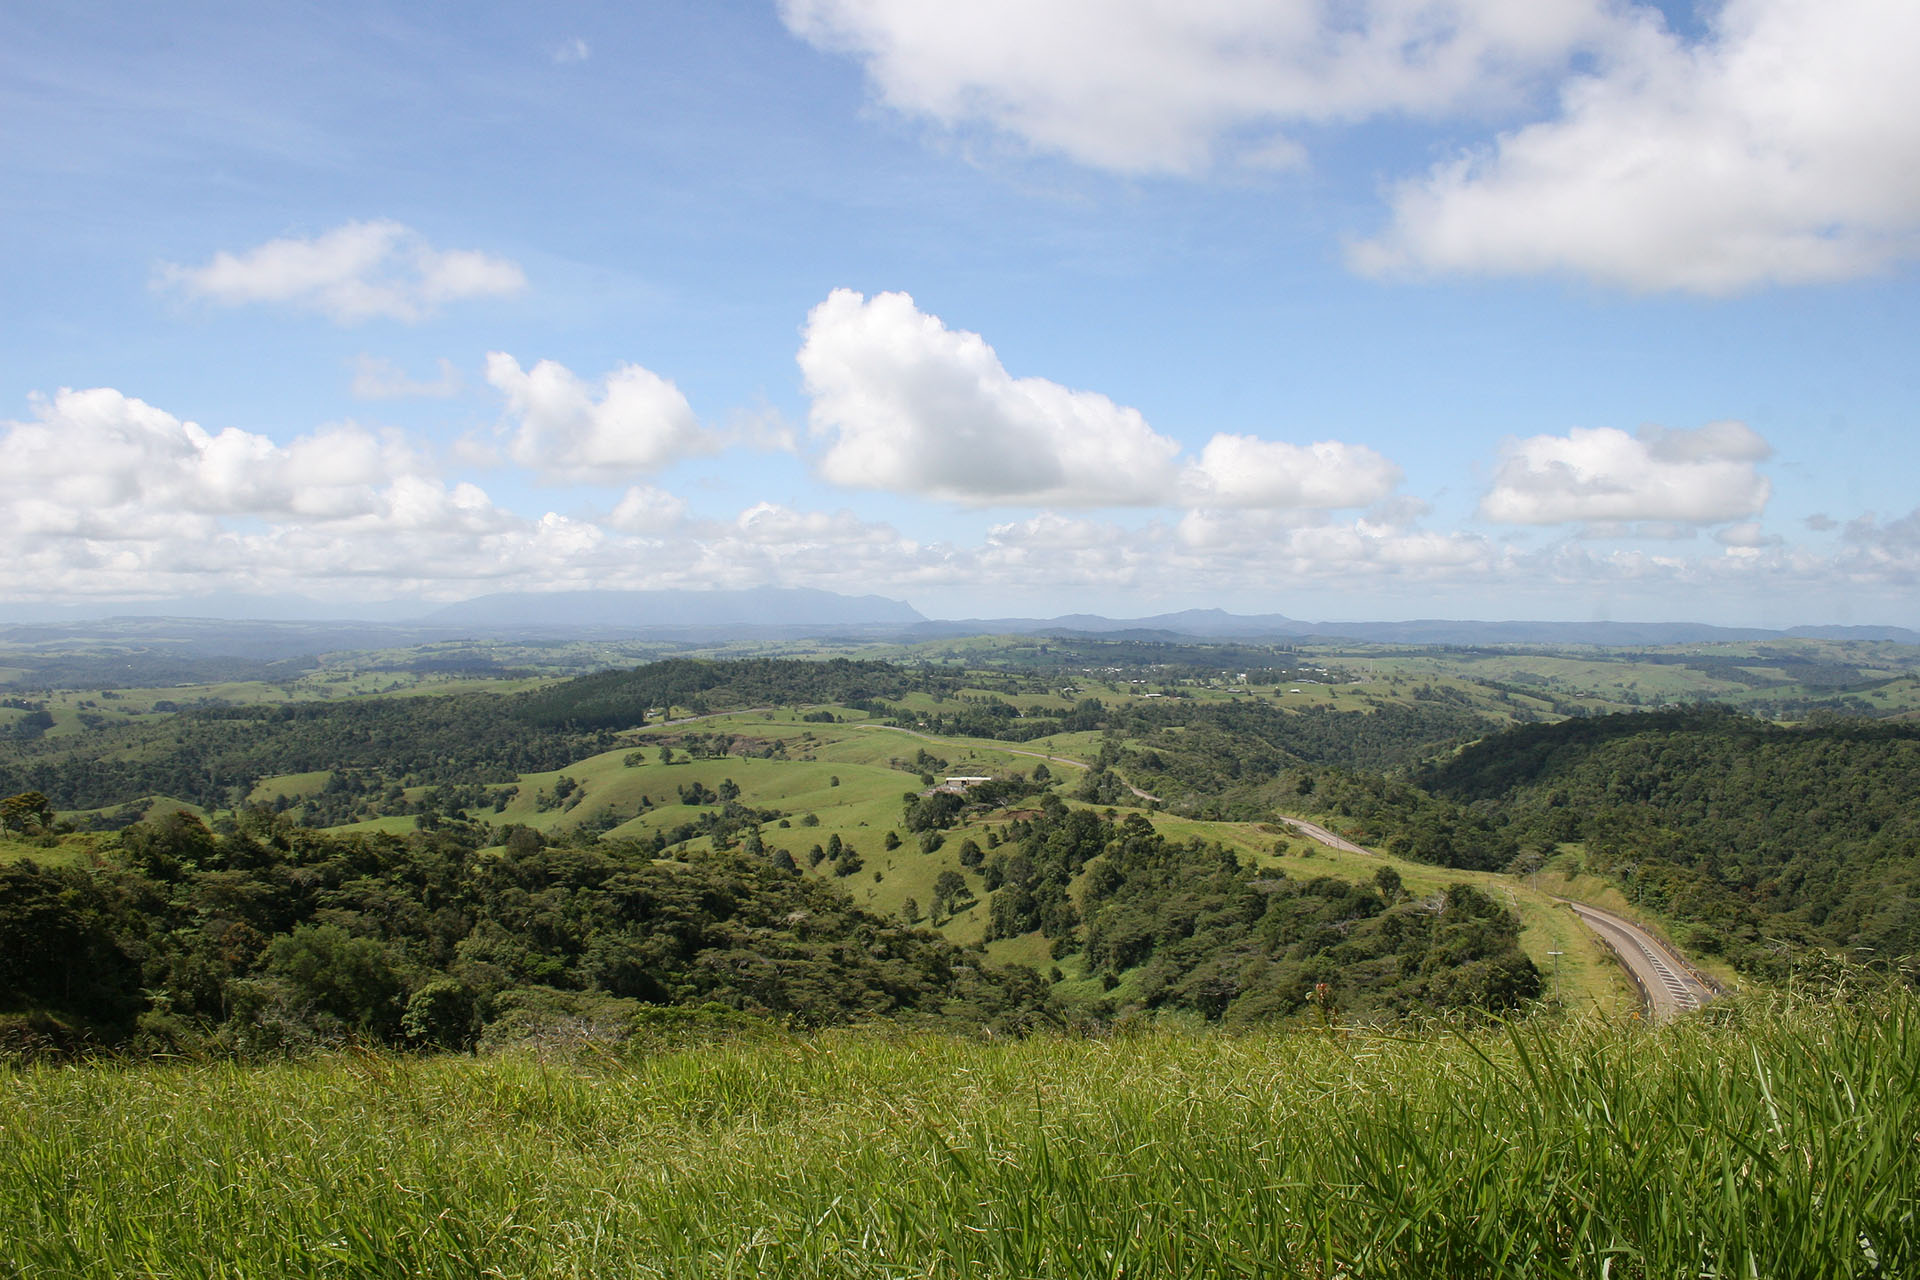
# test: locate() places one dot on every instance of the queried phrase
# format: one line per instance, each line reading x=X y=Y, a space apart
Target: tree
x=351 y=979
x=441 y=1014
x=950 y=891
x=666 y=754
x=28 y=813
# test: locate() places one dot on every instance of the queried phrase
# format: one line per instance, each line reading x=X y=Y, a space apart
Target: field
x=1767 y=1139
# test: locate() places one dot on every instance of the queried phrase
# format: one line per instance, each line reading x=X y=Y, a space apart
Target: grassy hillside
x=1769 y=1139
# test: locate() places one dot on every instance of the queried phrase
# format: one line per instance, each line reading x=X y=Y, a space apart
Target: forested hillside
x=1770 y=837
x=272 y=937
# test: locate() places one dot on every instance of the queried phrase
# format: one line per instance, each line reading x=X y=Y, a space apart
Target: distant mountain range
x=793 y=611
x=784 y=607
x=1220 y=625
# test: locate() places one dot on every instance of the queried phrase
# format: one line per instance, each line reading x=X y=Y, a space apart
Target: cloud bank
x=116 y=498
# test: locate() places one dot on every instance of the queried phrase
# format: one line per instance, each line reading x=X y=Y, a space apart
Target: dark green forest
x=1771 y=839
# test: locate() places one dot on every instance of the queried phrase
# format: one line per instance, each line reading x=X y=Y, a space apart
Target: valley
x=840 y=964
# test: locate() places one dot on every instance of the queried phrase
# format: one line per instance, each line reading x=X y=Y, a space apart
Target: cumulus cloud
x=1782 y=149
x=98 y=462
x=1244 y=471
x=632 y=423
x=378 y=378
x=904 y=403
x=356 y=272
x=1147 y=86
x=114 y=496
x=1701 y=476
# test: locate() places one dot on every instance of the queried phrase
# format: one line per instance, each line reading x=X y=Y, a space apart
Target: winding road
x=1669 y=986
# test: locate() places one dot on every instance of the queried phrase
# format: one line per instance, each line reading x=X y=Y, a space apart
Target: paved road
x=1669 y=985
x=713 y=715
x=1314 y=831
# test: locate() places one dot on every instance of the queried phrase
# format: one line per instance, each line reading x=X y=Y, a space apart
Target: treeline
x=1193 y=748
x=214 y=756
x=269 y=937
x=624 y=699
x=1771 y=838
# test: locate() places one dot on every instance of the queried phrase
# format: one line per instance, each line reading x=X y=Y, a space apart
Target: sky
x=1342 y=309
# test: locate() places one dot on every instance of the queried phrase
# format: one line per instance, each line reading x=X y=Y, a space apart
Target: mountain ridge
x=805 y=611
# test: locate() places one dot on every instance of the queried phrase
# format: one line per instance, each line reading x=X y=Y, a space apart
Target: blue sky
x=1378 y=309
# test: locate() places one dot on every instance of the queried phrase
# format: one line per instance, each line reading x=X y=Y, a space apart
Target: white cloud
x=906 y=404
x=355 y=272
x=112 y=496
x=1885 y=552
x=1269 y=548
x=1051 y=530
x=378 y=378
x=1244 y=471
x=633 y=423
x=572 y=50
x=101 y=462
x=1783 y=149
x=645 y=509
x=1747 y=535
x=1702 y=476
x=1145 y=86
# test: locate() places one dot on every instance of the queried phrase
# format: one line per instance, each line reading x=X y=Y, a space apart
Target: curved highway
x=1669 y=985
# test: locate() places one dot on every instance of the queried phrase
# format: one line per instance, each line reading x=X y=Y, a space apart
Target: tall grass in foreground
x=1769 y=1140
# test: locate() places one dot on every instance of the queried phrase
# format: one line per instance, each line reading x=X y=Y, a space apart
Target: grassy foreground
x=1764 y=1140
